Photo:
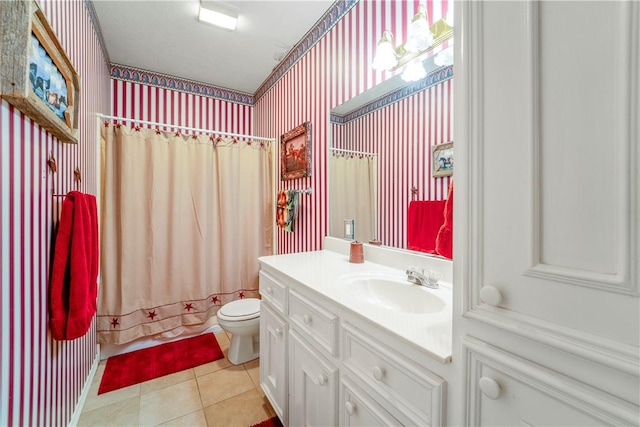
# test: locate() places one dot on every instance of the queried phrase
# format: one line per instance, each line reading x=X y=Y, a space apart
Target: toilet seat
x=243 y=309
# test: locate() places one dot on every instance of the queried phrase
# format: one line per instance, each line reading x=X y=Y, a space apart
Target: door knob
x=350 y=407
x=490 y=387
x=378 y=373
x=322 y=379
x=490 y=295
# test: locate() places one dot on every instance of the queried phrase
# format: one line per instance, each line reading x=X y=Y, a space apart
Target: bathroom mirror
x=380 y=154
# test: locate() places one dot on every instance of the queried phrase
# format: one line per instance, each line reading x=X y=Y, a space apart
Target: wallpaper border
x=137 y=75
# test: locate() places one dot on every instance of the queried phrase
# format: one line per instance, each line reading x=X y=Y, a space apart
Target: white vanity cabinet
x=313 y=384
x=408 y=391
x=313 y=374
x=339 y=368
x=547 y=251
x=274 y=348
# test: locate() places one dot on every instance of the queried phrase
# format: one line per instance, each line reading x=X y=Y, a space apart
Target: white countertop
x=321 y=271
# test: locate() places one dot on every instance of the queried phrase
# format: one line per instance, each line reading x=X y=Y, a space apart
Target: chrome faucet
x=417 y=276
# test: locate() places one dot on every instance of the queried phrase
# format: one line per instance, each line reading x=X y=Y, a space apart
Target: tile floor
x=214 y=394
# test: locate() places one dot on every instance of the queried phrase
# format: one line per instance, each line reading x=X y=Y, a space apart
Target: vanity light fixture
x=414 y=71
x=444 y=57
x=386 y=56
x=421 y=38
x=218 y=14
x=419 y=35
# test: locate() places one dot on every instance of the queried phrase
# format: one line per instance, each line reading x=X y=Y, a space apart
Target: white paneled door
x=548 y=192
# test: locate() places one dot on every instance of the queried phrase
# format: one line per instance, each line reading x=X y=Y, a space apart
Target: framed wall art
x=37 y=76
x=442 y=159
x=295 y=152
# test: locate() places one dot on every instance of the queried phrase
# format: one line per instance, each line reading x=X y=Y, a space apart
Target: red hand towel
x=73 y=286
x=444 y=241
x=423 y=222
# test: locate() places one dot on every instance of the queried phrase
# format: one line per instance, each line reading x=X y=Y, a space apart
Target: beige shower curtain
x=184 y=219
x=352 y=189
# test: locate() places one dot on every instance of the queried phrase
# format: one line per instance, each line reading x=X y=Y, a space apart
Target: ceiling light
x=218 y=14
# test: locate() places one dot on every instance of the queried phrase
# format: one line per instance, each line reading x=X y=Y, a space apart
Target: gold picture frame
x=442 y=160
x=37 y=76
x=295 y=152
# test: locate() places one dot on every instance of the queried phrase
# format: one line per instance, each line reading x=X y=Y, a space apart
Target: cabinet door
x=506 y=390
x=313 y=384
x=548 y=173
x=273 y=359
x=358 y=409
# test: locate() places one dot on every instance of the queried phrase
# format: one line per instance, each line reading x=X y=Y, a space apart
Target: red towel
x=423 y=222
x=73 y=286
x=444 y=241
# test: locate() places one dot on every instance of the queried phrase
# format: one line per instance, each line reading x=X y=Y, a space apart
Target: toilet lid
x=241 y=309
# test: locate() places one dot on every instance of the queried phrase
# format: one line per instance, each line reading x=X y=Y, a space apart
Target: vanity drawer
x=273 y=292
x=411 y=389
x=358 y=409
x=318 y=324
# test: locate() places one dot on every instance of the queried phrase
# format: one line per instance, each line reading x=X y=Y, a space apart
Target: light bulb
x=444 y=57
x=414 y=71
x=385 y=58
x=419 y=35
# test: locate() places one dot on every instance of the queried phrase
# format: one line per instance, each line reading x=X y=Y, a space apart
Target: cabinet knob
x=306 y=319
x=322 y=379
x=269 y=291
x=378 y=373
x=490 y=387
x=350 y=407
x=490 y=295
x=278 y=332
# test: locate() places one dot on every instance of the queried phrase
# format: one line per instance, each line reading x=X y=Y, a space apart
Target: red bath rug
x=271 y=422
x=149 y=363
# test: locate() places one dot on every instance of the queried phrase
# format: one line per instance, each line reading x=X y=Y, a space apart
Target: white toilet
x=241 y=318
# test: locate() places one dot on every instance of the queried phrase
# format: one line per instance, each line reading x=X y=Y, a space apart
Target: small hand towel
x=423 y=222
x=73 y=288
x=444 y=240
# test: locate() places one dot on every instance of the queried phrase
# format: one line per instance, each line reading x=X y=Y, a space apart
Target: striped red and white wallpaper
x=41 y=379
x=335 y=69
x=403 y=134
x=141 y=101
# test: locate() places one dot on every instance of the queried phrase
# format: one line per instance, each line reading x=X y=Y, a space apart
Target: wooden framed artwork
x=37 y=77
x=442 y=159
x=295 y=152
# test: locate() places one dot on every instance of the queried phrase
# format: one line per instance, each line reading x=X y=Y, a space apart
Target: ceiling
x=166 y=37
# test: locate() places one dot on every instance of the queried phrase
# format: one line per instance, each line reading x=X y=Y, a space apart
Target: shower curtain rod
x=353 y=151
x=144 y=122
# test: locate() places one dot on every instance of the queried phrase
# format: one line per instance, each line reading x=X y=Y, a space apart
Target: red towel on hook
x=73 y=287
x=444 y=241
x=424 y=219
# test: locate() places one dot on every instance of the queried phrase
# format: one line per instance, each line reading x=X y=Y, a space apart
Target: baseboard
x=85 y=390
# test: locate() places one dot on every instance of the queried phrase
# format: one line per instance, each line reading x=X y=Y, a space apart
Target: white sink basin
x=392 y=292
